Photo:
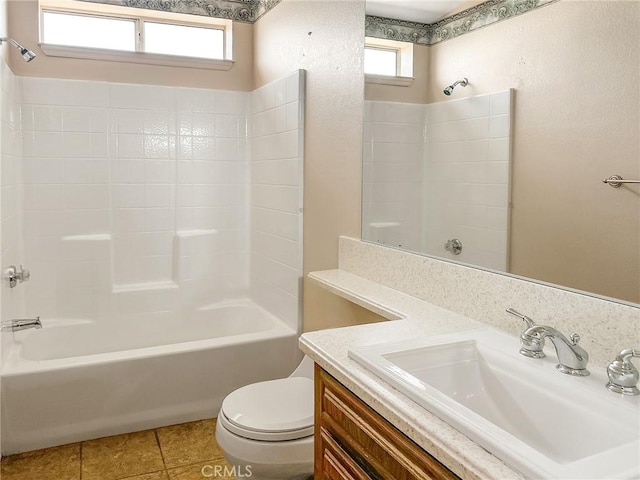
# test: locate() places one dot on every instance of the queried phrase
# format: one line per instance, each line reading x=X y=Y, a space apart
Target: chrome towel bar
x=616 y=181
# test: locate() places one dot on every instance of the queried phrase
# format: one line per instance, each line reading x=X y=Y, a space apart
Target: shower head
x=27 y=54
x=463 y=83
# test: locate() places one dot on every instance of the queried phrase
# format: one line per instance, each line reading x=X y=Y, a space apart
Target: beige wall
x=417 y=92
x=326 y=39
x=575 y=67
x=23 y=26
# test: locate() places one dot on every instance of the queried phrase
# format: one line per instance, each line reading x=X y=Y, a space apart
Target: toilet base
x=253 y=471
x=267 y=460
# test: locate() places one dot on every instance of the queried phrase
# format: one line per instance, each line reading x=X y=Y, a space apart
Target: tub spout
x=21 y=324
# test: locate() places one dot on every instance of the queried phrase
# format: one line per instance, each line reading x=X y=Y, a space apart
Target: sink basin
x=537 y=420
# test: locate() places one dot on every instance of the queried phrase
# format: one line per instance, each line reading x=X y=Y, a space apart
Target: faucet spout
x=572 y=358
x=21 y=324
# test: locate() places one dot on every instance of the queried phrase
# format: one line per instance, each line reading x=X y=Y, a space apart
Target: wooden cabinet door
x=354 y=442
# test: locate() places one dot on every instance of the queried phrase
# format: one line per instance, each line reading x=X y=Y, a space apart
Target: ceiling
x=421 y=11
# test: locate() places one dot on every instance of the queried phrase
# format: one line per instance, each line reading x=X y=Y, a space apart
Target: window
x=380 y=61
x=86 y=31
x=79 y=29
x=183 y=40
x=388 y=61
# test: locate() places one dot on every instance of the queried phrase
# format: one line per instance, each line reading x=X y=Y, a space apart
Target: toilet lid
x=273 y=410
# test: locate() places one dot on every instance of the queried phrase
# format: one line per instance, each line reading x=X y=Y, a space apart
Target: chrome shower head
x=27 y=54
x=449 y=90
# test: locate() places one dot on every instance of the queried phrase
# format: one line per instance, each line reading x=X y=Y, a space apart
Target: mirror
x=432 y=184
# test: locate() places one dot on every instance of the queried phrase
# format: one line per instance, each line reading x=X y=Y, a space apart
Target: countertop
x=410 y=318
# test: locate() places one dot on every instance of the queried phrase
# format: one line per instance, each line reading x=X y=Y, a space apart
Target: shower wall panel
x=66 y=197
x=11 y=241
x=393 y=162
x=276 y=196
x=137 y=199
x=467 y=179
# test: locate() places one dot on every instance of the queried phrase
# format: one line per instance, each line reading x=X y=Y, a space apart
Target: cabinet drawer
x=374 y=444
x=337 y=464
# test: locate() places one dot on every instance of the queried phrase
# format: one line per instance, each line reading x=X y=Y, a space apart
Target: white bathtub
x=67 y=383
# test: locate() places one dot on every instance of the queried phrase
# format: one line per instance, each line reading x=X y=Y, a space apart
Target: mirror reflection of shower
x=436 y=176
x=27 y=54
x=449 y=90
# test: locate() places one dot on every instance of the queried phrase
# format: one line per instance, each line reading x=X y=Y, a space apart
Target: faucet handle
x=623 y=376
x=575 y=338
x=25 y=274
x=15 y=275
x=532 y=344
x=528 y=320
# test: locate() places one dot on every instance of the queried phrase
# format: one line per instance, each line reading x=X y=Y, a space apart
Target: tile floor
x=178 y=452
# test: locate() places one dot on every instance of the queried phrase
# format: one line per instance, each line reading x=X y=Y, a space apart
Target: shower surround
x=138 y=199
x=163 y=229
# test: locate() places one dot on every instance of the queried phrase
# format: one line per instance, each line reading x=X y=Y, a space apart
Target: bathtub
x=73 y=382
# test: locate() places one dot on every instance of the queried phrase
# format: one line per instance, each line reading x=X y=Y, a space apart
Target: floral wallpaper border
x=466 y=21
x=249 y=11
x=246 y=11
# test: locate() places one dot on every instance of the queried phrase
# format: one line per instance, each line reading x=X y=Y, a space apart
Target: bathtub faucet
x=21 y=324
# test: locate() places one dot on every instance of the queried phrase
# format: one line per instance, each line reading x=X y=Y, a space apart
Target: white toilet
x=265 y=429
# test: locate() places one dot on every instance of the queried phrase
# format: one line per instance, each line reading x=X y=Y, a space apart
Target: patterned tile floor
x=178 y=452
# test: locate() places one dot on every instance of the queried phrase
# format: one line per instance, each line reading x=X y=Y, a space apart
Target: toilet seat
x=272 y=411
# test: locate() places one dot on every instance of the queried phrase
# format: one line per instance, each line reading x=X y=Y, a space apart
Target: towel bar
x=616 y=181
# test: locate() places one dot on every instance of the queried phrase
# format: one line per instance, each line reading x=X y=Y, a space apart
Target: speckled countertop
x=411 y=318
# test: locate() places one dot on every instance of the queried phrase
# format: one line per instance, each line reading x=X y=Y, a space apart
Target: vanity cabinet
x=352 y=442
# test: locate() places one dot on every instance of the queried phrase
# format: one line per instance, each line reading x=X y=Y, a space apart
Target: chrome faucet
x=21 y=324
x=623 y=376
x=572 y=358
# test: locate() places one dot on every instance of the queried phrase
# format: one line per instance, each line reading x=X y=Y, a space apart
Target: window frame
x=139 y=16
x=404 y=62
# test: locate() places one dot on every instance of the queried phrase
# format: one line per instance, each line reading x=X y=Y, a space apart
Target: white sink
x=537 y=420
